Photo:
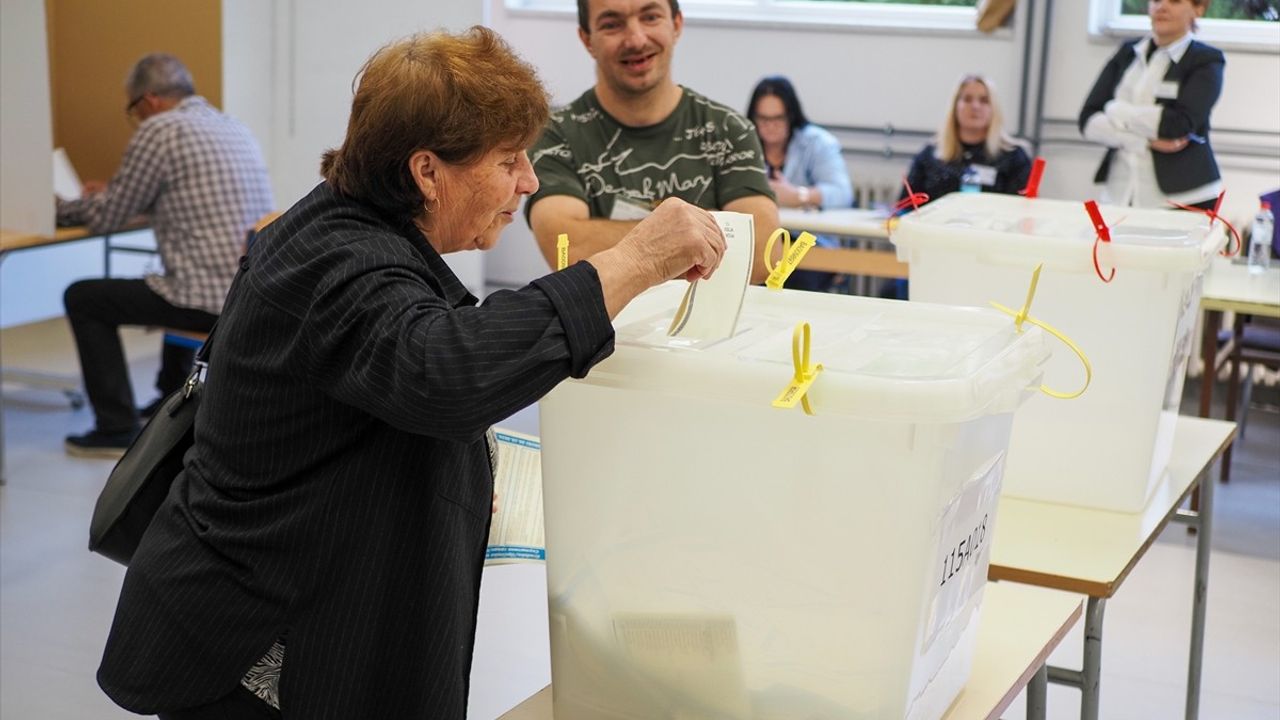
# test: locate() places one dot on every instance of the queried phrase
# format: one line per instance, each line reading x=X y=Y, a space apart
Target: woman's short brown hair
x=459 y=96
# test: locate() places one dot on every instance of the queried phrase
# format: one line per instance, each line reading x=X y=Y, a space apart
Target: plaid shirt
x=200 y=177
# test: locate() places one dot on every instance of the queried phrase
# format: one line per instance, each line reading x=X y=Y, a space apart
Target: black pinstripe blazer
x=1199 y=78
x=338 y=492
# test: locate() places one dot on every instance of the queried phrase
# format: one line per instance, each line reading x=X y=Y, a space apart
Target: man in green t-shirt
x=636 y=138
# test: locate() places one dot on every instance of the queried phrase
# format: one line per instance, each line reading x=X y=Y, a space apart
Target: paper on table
x=710 y=308
x=66 y=183
x=517 y=533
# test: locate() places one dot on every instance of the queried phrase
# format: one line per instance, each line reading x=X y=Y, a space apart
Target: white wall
x=26 y=169
x=26 y=128
x=288 y=70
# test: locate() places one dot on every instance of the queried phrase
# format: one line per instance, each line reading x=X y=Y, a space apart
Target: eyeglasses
x=133 y=105
x=770 y=119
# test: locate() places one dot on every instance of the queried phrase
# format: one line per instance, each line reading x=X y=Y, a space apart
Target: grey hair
x=159 y=74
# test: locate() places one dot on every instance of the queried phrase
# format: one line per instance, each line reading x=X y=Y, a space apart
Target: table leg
x=1233 y=389
x=1209 y=356
x=1088 y=678
x=1038 y=694
x=1204 y=521
x=1092 y=671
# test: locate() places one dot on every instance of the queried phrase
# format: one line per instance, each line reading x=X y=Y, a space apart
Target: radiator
x=873 y=193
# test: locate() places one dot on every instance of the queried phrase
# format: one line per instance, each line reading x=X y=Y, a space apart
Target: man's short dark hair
x=584 y=13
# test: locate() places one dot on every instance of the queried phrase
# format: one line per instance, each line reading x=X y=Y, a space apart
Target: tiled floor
x=56 y=599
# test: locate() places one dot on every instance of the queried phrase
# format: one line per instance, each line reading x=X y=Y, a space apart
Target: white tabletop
x=1230 y=286
x=847 y=222
x=1019 y=627
x=1091 y=551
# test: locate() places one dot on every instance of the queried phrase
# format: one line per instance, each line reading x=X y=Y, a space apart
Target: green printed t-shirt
x=703 y=153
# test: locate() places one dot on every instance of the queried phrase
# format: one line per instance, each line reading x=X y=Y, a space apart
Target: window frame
x=878 y=17
x=1106 y=21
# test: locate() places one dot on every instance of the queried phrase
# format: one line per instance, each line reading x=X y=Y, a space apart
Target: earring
x=426 y=204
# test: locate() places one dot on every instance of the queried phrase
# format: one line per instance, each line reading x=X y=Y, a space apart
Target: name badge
x=623 y=210
x=984 y=174
x=1167 y=90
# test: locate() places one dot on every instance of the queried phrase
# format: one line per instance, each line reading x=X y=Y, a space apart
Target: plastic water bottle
x=969 y=181
x=1264 y=224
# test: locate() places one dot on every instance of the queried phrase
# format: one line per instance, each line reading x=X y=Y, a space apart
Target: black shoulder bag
x=141 y=479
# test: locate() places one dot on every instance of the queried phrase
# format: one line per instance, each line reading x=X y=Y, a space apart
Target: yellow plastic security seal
x=1023 y=315
x=791 y=256
x=562 y=251
x=797 y=391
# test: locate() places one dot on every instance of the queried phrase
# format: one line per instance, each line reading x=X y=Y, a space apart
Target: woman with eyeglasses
x=804 y=163
x=1150 y=107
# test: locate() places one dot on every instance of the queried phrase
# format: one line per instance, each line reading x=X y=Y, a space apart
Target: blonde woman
x=972 y=152
x=1150 y=107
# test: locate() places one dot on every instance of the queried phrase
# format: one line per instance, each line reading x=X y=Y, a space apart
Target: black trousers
x=96 y=309
x=239 y=705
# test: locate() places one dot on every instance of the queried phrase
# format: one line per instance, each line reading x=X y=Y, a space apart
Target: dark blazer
x=1199 y=78
x=338 y=493
x=936 y=178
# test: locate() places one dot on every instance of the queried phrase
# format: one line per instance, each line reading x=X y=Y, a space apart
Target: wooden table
x=1091 y=552
x=1019 y=627
x=1229 y=286
x=868 y=256
x=12 y=242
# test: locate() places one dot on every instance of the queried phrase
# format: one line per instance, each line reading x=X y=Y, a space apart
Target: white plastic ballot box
x=710 y=556
x=1108 y=448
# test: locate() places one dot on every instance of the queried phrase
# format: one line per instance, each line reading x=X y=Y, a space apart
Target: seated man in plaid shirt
x=199 y=176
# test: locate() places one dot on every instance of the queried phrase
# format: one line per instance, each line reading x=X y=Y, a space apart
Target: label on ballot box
x=964 y=548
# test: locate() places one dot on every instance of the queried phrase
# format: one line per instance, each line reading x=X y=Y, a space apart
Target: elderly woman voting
x=320 y=556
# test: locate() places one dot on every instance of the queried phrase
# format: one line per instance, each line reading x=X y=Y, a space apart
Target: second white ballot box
x=711 y=556
x=1108 y=448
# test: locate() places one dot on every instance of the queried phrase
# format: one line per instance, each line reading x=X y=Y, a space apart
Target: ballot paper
x=710 y=308
x=517 y=532
x=66 y=183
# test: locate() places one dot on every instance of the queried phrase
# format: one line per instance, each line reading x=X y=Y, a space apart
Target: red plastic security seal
x=1232 y=233
x=1032 y=189
x=1103 y=234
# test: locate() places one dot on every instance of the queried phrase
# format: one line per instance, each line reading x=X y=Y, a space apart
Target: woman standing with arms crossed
x=1150 y=107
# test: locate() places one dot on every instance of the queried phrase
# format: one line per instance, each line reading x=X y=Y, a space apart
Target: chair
x=1254 y=341
x=184 y=338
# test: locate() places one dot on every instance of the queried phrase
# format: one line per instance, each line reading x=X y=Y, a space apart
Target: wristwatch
x=802 y=193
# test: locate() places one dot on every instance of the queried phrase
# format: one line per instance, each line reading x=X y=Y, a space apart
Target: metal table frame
x=12 y=242
x=1088 y=678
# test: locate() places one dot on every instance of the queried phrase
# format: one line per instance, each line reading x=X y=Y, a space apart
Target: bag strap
x=202 y=355
x=202 y=362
